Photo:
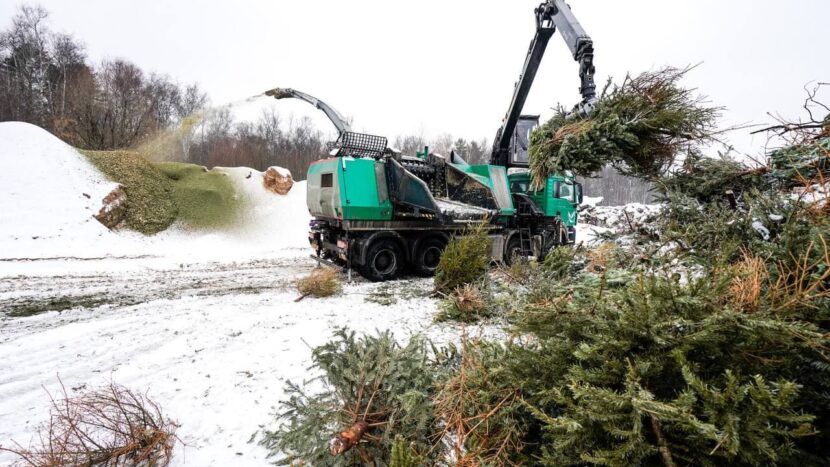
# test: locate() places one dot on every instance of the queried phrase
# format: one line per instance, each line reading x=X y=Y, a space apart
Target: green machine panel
x=348 y=189
x=364 y=192
x=495 y=178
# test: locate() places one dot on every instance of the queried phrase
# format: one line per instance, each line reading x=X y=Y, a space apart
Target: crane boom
x=284 y=93
x=550 y=16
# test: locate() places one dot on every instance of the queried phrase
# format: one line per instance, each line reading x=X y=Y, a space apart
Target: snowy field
x=213 y=342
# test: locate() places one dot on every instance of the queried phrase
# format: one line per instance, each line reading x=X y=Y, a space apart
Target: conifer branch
x=663 y=446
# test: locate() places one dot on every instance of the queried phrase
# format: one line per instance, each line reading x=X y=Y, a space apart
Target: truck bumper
x=326 y=243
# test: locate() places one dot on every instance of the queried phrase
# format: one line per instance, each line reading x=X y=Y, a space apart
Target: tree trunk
x=348 y=439
x=663 y=446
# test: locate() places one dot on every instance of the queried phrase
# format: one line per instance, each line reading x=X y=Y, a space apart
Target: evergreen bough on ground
x=404 y=455
x=648 y=368
x=467 y=304
x=322 y=282
x=372 y=380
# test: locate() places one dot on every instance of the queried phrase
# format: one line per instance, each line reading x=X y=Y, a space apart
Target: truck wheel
x=428 y=256
x=384 y=261
x=513 y=252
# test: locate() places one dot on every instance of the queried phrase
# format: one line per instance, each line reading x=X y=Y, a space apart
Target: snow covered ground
x=213 y=343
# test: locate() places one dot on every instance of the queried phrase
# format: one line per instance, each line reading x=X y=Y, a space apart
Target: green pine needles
x=465 y=260
x=664 y=369
x=404 y=455
x=640 y=127
x=372 y=380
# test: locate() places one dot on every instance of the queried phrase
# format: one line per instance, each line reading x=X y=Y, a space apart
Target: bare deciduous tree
x=44 y=80
x=24 y=61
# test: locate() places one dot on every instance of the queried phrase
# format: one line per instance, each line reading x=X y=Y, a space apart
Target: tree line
x=47 y=79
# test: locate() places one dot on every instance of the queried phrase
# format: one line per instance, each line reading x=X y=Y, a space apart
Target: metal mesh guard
x=360 y=145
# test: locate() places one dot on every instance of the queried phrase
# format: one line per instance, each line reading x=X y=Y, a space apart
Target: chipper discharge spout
x=339 y=122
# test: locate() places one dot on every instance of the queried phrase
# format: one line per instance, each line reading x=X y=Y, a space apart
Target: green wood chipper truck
x=383 y=213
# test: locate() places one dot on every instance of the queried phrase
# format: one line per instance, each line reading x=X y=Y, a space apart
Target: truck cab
x=559 y=197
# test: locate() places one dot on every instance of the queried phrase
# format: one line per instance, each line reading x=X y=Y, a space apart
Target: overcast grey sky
x=448 y=66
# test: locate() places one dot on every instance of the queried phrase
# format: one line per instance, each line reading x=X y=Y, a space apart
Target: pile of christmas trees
x=640 y=360
x=705 y=342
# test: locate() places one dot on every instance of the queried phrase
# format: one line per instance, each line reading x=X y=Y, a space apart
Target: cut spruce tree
x=640 y=127
x=370 y=391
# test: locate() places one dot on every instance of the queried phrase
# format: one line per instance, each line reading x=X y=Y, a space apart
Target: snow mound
x=592 y=201
x=49 y=195
x=620 y=218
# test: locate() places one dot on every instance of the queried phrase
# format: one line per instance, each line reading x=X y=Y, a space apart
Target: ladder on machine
x=525 y=242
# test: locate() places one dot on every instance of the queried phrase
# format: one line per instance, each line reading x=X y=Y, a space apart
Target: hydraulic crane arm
x=580 y=44
x=550 y=15
x=333 y=115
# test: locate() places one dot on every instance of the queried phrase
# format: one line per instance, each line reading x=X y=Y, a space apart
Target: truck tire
x=513 y=251
x=427 y=256
x=384 y=260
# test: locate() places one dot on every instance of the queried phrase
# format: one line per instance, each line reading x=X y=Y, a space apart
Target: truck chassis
x=385 y=250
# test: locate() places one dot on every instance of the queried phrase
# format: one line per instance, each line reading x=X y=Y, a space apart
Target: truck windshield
x=519 y=187
x=521 y=140
x=566 y=191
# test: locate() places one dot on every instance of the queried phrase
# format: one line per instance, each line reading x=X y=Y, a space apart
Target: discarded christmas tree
x=464 y=261
x=373 y=390
x=705 y=343
x=640 y=127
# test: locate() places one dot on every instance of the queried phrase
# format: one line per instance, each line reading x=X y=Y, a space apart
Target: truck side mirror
x=578 y=193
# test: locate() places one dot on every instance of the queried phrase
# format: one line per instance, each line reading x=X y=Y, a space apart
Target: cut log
x=114 y=210
x=345 y=440
x=278 y=180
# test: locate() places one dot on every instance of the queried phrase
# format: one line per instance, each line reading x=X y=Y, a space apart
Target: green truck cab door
x=559 y=197
x=566 y=194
